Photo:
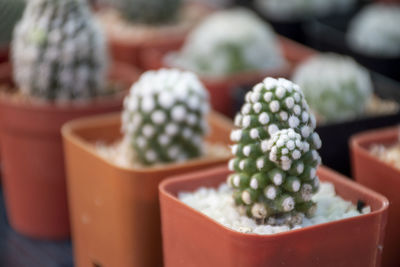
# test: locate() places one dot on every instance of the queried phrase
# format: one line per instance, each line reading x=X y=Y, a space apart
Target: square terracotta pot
x=114 y=210
x=222 y=89
x=32 y=156
x=383 y=178
x=190 y=238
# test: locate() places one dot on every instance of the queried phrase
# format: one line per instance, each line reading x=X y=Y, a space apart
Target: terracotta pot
x=33 y=163
x=382 y=177
x=4 y=53
x=223 y=89
x=115 y=211
x=190 y=238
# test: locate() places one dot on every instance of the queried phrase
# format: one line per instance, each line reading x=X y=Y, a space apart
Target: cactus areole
x=275 y=153
x=59 y=51
x=165 y=116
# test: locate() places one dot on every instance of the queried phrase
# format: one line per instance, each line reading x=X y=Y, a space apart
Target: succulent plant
x=10 y=13
x=335 y=86
x=148 y=11
x=165 y=116
x=214 y=49
x=275 y=149
x=375 y=31
x=59 y=51
x=289 y=10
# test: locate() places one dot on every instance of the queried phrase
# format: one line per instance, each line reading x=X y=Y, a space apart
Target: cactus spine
x=10 y=12
x=165 y=116
x=275 y=153
x=59 y=51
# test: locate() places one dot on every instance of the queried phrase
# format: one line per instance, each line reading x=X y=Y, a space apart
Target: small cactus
x=275 y=153
x=165 y=116
x=214 y=50
x=148 y=11
x=10 y=13
x=335 y=87
x=375 y=31
x=59 y=51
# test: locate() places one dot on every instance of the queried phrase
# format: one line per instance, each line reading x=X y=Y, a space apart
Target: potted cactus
x=375 y=164
x=266 y=214
x=113 y=175
x=345 y=100
x=227 y=62
x=10 y=13
x=134 y=27
x=60 y=73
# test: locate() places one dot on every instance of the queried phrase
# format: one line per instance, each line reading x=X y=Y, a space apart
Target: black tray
x=329 y=34
x=335 y=136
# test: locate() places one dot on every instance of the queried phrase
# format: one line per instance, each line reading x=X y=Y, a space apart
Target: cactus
x=165 y=116
x=275 y=151
x=10 y=12
x=375 y=31
x=212 y=50
x=336 y=87
x=148 y=11
x=59 y=51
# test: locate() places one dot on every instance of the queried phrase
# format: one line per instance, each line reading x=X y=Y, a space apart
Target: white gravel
x=218 y=204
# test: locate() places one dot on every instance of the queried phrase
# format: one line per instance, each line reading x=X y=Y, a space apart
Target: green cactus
x=165 y=116
x=10 y=13
x=275 y=153
x=335 y=86
x=59 y=51
x=148 y=11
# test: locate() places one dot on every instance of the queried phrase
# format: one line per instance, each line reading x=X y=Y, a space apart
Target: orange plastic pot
x=221 y=89
x=33 y=163
x=115 y=211
x=190 y=238
x=383 y=178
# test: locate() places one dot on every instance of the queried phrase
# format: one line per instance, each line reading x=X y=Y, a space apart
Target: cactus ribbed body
x=165 y=116
x=59 y=51
x=335 y=86
x=10 y=13
x=148 y=11
x=275 y=152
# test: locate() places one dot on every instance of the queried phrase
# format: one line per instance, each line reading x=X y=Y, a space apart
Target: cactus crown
x=275 y=153
x=59 y=51
x=148 y=11
x=375 y=31
x=335 y=86
x=10 y=13
x=165 y=116
x=213 y=49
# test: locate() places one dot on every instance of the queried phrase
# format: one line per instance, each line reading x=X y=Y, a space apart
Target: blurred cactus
x=335 y=86
x=165 y=116
x=10 y=13
x=375 y=31
x=59 y=51
x=275 y=153
x=214 y=49
x=148 y=11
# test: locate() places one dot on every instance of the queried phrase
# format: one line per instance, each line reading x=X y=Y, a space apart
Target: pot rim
x=68 y=132
x=198 y=175
x=359 y=143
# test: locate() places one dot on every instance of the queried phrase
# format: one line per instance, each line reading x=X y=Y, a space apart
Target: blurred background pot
x=383 y=178
x=189 y=235
x=32 y=156
x=115 y=210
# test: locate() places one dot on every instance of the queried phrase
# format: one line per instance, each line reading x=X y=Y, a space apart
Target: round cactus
x=275 y=153
x=10 y=13
x=375 y=31
x=336 y=87
x=214 y=50
x=59 y=51
x=148 y=11
x=165 y=116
